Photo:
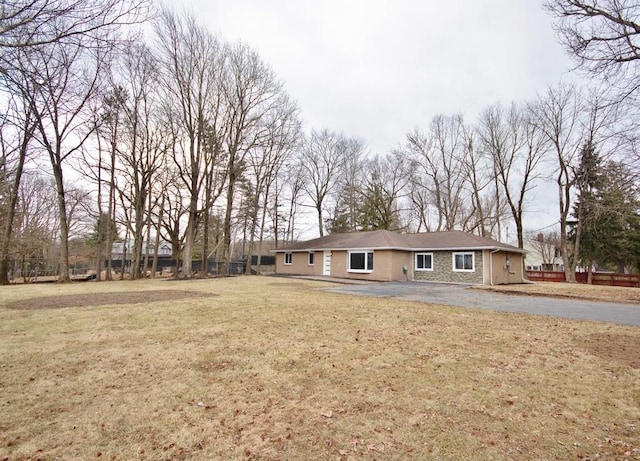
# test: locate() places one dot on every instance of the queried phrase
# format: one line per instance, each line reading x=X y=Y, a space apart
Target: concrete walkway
x=463 y=296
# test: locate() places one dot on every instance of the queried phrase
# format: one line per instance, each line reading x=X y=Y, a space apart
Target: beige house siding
x=486 y=267
x=387 y=265
x=398 y=261
x=299 y=264
x=503 y=275
x=443 y=269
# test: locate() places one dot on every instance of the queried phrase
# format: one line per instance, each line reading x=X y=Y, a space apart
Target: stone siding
x=443 y=270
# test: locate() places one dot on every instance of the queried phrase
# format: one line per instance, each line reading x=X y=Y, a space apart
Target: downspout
x=491 y=265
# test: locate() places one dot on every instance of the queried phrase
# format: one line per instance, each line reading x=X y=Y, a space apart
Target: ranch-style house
x=452 y=256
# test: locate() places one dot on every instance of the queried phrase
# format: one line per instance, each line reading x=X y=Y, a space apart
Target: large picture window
x=360 y=261
x=288 y=258
x=424 y=261
x=464 y=262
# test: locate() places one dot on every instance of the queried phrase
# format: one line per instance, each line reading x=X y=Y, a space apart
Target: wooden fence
x=599 y=278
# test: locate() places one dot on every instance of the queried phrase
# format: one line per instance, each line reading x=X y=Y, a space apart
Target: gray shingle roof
x=387 y=240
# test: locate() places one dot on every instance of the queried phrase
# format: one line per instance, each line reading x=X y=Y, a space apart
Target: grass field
x=571 y=290
x=261 y=368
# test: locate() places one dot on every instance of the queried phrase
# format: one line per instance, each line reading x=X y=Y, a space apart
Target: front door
x=326 y=263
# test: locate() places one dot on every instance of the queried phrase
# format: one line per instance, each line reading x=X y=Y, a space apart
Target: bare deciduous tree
x=322 y=160
x=480 y=177
x=350 y=182
x=516 y=148
x=17 y=127
x=253 y=96
x=557 y=115
x=287 y=191
x=35 y=224
x=143 y=142
x=64 y=78
x=383 y=190
x=264 y=163
x=604 y=38
x=32 y=23
x=438 y=165
x=60 y=48
x=190 y=61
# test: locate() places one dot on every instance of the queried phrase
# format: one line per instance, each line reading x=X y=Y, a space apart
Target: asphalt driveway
x=463 y=296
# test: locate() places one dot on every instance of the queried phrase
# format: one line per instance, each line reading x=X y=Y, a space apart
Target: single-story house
x=452 y=256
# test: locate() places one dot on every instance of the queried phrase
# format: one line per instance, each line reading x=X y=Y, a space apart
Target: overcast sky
x=377 y=69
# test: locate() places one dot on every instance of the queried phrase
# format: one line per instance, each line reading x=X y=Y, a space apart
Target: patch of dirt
x=619 y=348
x=102 y=299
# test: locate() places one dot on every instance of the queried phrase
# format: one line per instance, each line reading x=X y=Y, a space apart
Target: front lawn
x=276 y=369
x=571 y=290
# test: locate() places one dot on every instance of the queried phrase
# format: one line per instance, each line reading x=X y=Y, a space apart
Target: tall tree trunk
x=206 y=220
x=192 y=221
x=138 y=228
x=252 y=233
x=564 y=198
x=111 y=211
x=320 y=225
x=154 y=265
x=205 y=244
x=148 y=234
x=261 y=238
x=189 y=242
x=226 y=232
x=590 y=272
x=5 y=240
x=63 y=222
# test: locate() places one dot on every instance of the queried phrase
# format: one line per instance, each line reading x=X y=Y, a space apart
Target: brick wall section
x=443 y=270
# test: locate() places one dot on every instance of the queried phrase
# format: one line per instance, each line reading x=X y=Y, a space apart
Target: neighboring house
x=117 y=249
x=542 y=256
x=453 y=256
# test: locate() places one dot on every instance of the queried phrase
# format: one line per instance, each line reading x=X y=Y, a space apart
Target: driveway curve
x=463 y=296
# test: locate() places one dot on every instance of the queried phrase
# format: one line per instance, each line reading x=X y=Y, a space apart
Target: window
x=463 y=262
x=311 y=256
x=360 y=261
x=424 y=261
x=287 y=259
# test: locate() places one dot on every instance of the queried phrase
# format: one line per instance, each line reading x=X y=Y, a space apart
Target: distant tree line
x=191 y=139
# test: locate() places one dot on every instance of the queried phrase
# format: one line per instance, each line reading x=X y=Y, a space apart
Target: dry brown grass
x=571 y=290
x=275 y=369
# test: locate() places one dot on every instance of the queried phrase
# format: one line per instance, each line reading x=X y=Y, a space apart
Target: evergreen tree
x=584 y=232
x=607 y=229
x=377 y=210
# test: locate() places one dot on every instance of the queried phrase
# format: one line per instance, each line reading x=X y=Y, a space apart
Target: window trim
x=366 y=253
x=473 y=261
x=311 y=259
x=423 y=254
x=288 y=256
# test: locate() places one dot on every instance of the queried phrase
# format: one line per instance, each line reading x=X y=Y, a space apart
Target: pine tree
x=607 y=230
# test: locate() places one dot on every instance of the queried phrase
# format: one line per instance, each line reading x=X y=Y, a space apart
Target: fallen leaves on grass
x=273 y=372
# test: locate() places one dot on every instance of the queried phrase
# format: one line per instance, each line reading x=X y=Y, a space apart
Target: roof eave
x=415 y=249
x=469 y=248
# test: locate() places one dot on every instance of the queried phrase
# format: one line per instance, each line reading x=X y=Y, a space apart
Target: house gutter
x=491 y=265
